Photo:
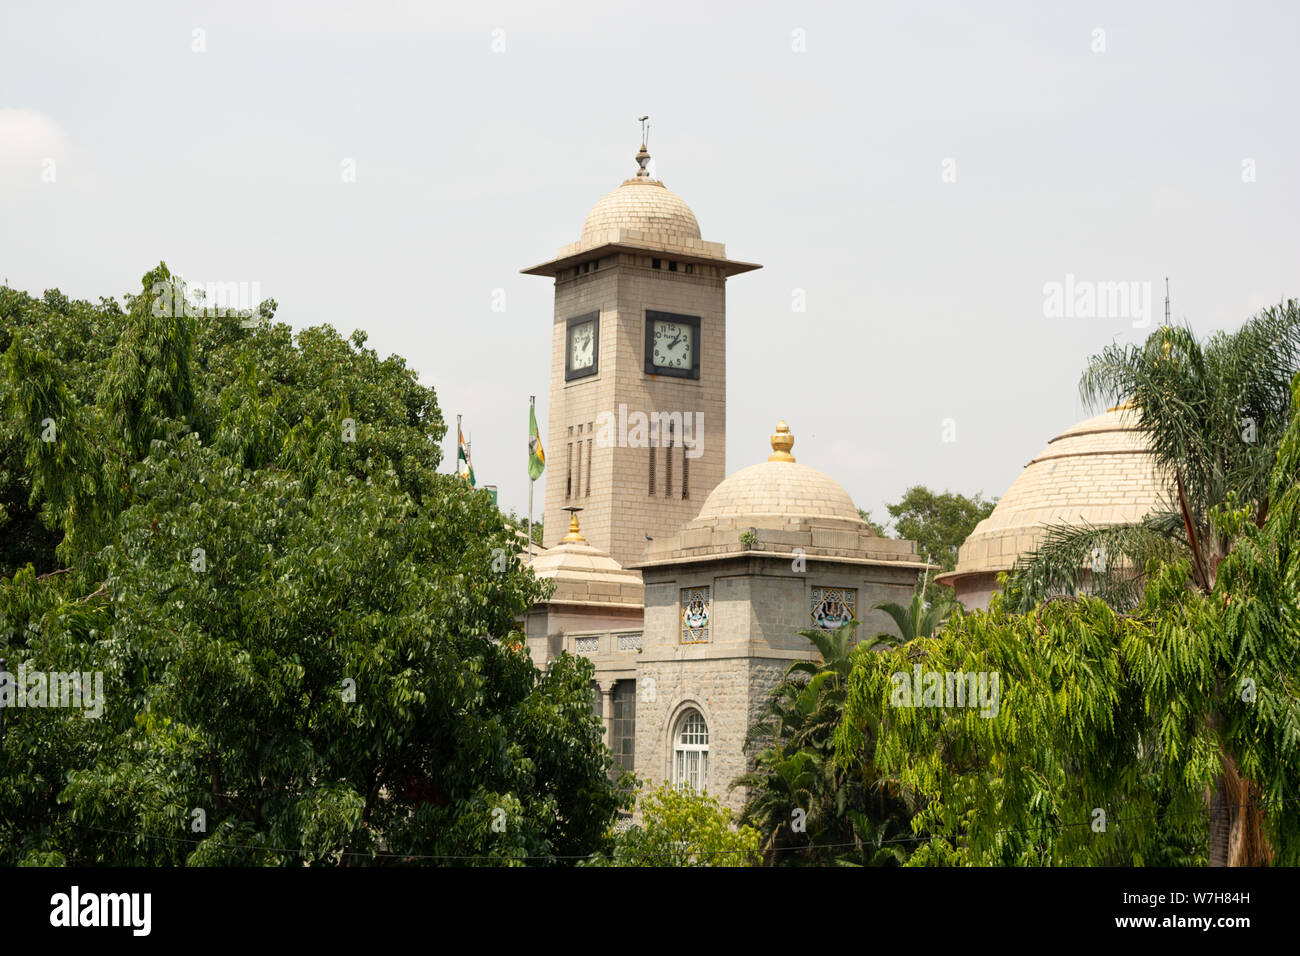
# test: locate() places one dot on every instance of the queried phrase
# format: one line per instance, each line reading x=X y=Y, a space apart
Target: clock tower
x=636 y=431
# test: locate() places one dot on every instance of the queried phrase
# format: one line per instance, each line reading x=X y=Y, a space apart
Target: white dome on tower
x=644 y=216
x=644 y=206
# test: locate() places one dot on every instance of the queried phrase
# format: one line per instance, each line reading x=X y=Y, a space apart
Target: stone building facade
x=776 y=549
x=637 y=436
x=686 y=589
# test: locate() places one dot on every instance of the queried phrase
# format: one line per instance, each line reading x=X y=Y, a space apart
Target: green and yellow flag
x=536 y=456
x=463 y=464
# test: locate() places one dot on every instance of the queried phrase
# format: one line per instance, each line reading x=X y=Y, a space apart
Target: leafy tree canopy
x=682 y=827
x=938 y=521
x=1136 y=716
x=876 y=526
x=306 y=636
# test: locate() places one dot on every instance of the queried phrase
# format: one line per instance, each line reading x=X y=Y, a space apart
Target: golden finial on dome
x=782 y=442
x=1128 y=405
x=575 y=533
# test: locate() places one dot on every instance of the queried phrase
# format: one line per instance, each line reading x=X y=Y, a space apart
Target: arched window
x=691 y=752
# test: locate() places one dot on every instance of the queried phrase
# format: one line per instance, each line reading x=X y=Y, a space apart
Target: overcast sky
x=921 y=171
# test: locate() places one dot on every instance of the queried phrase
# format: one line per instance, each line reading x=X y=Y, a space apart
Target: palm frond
x=1107 y=561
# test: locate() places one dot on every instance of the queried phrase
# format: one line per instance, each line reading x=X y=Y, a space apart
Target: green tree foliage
x=1019 y=786
x=875 y=525
x=307 y=635
x=78 y=338
x=1214 y=414
x=521 y=524
x=1257 y=651
x=682 y=827
x=938 y=522
x=809 y=808
x=1137 y=715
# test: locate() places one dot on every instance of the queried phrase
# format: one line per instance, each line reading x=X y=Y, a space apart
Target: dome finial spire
x=643 y=157
x=782 y=442
x=575 y=533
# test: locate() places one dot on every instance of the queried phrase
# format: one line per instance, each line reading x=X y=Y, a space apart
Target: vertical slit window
x=686 y=473
x=652 y=464
x=668 y=464
x=577 y=488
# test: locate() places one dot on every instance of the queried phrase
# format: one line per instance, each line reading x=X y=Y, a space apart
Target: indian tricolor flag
x=463 y=465
x=536 y=456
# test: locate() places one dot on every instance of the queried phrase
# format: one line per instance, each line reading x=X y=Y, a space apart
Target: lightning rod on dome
x=575 y=532
x=643 y=157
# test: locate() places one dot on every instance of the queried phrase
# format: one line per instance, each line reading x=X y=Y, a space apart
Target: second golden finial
x=782 y=442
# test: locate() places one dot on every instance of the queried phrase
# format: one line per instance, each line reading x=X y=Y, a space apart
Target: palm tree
x=1213 y=414
x=798 y=795
x=918 y=619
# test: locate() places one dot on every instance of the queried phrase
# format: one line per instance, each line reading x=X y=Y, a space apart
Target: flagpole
x=532 y=403
x=457 y=465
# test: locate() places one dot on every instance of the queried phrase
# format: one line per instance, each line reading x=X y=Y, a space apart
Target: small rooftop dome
x=587 y=575
x=778 y=508
x=780 y=486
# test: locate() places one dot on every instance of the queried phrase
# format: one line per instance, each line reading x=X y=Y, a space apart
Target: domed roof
x=586 y=575
x=642 y=215
x=1098 y=472
x=784 y=488
x=643 y=205
x=779 y=505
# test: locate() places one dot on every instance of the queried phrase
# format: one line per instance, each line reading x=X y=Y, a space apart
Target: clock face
x=582 y=346
x=673 y=344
